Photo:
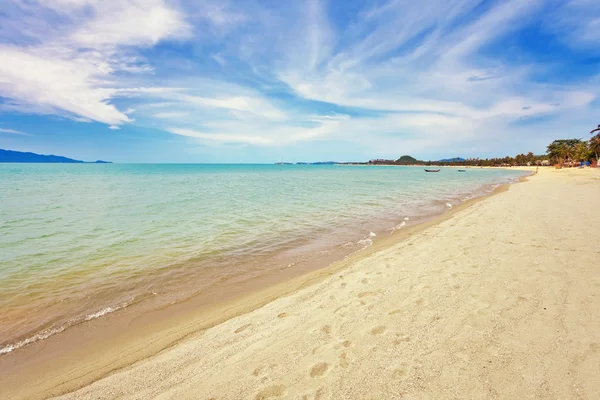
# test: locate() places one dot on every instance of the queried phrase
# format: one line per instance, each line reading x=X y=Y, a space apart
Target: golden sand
x=501 y=300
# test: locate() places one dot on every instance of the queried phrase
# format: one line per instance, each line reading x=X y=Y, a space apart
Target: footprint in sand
x=401 y=339
x=378 y=330
x=399 y=373
x=262 y=369
x=270 y=392
x=243 y=328
x=326 y=329
x=364 y=281
x=282 y=315
x=341 y=308
x=320 y=394
x=344 y=360
x=345 y=344
x=319 y=370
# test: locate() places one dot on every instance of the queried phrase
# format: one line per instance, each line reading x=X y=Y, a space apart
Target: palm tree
x=595 y=145
x=563 y=149
x=530 y=157
x=565 y=152
x=581 y=151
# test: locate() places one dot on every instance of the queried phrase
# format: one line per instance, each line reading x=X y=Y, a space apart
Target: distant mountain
x=10 y=156
x=407 y=160
x=451 y=160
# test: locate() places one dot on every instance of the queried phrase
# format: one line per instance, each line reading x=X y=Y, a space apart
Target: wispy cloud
x=170 y=115
x=13 y=132
x=379 y=76
x=72 y=73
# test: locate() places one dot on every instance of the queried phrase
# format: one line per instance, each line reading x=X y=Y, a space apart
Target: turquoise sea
x=80 y=241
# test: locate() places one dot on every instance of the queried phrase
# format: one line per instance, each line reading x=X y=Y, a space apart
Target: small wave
x=40 y=336
x=45 y=334
x=100 y=313
x=365 y=242
x=399 y=226
x=406 y=218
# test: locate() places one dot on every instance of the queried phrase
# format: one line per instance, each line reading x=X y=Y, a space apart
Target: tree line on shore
x=561 y=152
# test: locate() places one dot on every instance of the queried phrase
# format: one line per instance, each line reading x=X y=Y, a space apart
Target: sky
x=314 y=80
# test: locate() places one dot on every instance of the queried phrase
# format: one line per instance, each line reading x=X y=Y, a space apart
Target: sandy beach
x=499 y=300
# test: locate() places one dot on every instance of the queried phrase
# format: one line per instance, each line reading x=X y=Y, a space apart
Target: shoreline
x=148 y=335
x=499 y=302
x=148 y=269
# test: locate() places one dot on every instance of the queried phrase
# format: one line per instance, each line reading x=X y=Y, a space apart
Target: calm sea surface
x=81 y=241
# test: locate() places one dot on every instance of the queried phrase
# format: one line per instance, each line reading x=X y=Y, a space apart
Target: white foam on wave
x=406 y=218
x=365 y=242
x=448 y=205
x=399 y=226
x=372 y=234
x=40 y=336
x=100 y=313
x=45 y=334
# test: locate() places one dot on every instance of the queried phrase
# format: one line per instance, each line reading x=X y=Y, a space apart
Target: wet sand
x=498 y=300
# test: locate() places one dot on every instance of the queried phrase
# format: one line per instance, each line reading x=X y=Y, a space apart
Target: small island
x=10 y=156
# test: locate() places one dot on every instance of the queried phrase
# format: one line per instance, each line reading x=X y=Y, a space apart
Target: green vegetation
x=562 y=151
x=570 y=151
x=406 y=160
x=595 y=146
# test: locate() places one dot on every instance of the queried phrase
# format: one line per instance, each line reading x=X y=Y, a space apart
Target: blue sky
x=261 y=81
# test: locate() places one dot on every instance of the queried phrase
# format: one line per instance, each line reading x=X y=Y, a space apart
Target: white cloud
x=415 y=76
x=219 y=59
x=13 y=132
x=440 y=82
x=114 y=127
x=254 y=105
x=71 y=73
x=127 y=23
x=220 y=14
x=266 y=132
x=577 y=22
x=221 y=137
x=54 y=85
x=169 y=115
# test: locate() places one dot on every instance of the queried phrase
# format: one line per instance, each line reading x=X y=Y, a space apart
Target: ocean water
x=80 y=241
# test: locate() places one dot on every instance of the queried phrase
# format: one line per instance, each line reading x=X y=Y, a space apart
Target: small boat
x=462 y=170
x=432 y=170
